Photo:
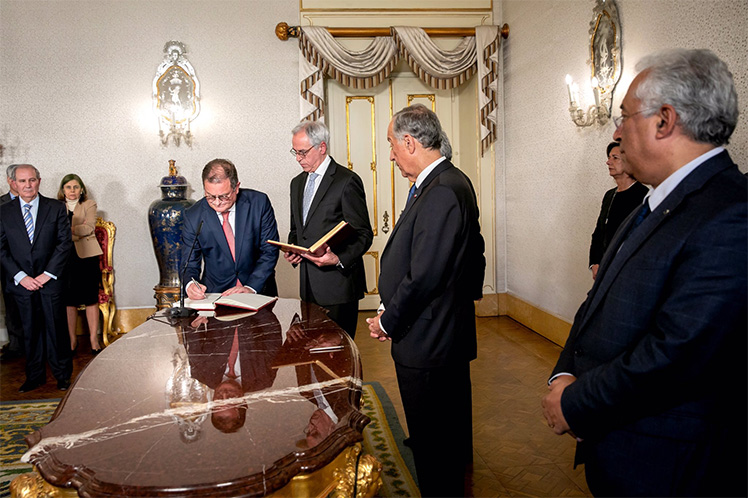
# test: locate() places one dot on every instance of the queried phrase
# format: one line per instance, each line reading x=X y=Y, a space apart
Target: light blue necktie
x=309 y=194
x=29 y=221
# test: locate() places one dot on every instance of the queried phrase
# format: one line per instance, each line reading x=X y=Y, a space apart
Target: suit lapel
x=213 y=224
x=297 y=195
x=241 y=219
x=41 y=216
x=420 y=193
x=614 y=261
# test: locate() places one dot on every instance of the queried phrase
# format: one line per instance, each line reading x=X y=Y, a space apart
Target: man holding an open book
x=322 y=196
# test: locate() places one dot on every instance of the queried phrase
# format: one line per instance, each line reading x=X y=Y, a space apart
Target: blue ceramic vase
x=165 y=217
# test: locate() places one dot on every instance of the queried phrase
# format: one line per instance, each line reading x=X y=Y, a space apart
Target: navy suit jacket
x=255 y=258
x=659 y=345
x=53 y=241
x=340 y=196
x=432 y=271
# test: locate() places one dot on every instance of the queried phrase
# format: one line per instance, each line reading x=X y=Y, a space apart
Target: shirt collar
x=322 y=168
x=427 y=170
x=659 y=194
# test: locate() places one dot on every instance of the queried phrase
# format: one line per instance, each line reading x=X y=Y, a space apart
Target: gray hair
x=421 y=123
x=219 y=170
x=10 y=171
x=13 y=168
x=446 y=148
x=316 y=131
x=698 y=85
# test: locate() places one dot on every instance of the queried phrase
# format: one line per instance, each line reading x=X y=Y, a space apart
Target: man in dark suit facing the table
x=322 y=196
x=232 y=243
x=652 y=380
x=432 y=271
x=35 y=240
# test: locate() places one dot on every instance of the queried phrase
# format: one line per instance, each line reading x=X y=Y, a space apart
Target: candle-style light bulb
x=596 y=90
x=568 y=87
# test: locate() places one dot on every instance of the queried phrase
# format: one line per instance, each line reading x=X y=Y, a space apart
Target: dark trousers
x=345 y=315
x=438 y=410
x=45 y=335
x=13 y=324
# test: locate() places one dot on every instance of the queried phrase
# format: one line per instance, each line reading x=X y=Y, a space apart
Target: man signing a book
x=322 y=196
x=232 y=226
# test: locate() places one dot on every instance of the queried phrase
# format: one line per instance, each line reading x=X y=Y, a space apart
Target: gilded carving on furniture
x=32 y=485
x=105 y=233
x=360 y=478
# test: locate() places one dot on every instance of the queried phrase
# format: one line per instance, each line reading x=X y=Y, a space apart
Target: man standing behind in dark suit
x=35 y=240
x=652 y=380
x=14 y=349
x=235 y=225
x=321 y=197
x=432 y=271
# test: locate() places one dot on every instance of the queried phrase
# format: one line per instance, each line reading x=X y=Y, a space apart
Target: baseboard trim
x=551 y=327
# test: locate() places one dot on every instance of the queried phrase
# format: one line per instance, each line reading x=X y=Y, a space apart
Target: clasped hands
x=34 y=284
x=375 y=330
x=551 y=404
x=323 y=257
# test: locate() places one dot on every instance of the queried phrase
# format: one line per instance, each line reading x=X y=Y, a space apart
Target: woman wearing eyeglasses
x=83 y=272
x=618 y=202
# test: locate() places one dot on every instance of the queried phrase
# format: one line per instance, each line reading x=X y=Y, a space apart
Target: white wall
x=75 y=96
x=555 y=173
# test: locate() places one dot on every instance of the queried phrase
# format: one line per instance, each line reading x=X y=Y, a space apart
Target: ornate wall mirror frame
x=605 y=49
x=176 y=95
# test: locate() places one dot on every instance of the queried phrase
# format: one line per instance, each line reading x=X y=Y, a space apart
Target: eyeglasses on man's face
x=618 y=120
x=301 y=153
x=219 y=199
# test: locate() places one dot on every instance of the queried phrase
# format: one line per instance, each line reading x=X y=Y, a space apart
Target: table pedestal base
x=350 y=475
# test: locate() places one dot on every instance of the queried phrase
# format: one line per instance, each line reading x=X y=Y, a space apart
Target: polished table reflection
x=244 y=404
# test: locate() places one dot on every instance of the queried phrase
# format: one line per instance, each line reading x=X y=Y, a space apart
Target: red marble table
x=158 y=413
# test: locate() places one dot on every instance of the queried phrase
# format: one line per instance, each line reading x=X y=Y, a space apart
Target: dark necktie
x=411 y=194
x=642 y=213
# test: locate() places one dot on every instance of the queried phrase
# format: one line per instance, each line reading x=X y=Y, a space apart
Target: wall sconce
x=176 y=95
x=598 y=113
x=605 y=62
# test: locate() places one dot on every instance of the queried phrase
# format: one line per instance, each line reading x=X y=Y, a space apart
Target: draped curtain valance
x=322 y=55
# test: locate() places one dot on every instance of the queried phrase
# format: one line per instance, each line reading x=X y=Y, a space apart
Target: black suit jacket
x=53 y=241
x=340 y=196
x=255 y=258
x=659 y=345
x=432 y=270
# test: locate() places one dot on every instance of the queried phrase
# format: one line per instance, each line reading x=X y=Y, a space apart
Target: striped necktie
x=29 y=221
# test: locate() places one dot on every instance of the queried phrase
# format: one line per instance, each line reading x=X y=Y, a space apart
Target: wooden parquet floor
x=515 y=454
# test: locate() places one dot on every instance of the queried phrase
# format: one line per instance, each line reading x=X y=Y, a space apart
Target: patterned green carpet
x=382 y=438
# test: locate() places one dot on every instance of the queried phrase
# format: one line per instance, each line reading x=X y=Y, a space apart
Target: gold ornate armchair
x=105 y=231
